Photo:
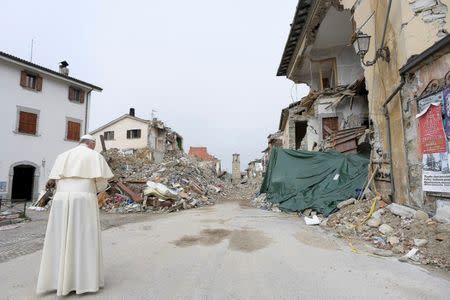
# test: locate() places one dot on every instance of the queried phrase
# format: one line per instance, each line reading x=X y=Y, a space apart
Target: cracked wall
x=407 y=34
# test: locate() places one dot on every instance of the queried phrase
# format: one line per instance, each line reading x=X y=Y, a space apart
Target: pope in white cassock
x=72 y=253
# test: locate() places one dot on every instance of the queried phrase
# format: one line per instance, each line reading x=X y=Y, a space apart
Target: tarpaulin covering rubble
x=297 y=180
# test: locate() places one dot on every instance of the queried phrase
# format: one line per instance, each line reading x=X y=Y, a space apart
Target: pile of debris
x=396 y=229
x=357 y=87
x=260 y=201
x=179 y=182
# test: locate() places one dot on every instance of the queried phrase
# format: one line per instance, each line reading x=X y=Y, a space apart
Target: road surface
x=232 y=252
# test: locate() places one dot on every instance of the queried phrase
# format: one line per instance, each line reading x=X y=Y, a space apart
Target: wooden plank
x=135 y=197
x=102 y=140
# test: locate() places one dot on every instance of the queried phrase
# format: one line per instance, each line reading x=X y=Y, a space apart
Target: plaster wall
x=53 y=108
x=348 y=67
x=120 y=140
x=348 y=116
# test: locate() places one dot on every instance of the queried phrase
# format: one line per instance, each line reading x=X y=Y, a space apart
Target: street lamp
x=361 y=45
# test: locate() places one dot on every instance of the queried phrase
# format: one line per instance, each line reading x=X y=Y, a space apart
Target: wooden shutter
x=71 y=94
x=23 y=78
x=38 y=83
x=27 y=122
x=81 y=96
x=128 y=134
x=73 y=131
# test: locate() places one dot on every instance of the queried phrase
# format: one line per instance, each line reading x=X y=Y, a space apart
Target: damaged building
x=324 y=60
x=128 y=133
x=381 y=65
x=255 y=168
x=202 y=154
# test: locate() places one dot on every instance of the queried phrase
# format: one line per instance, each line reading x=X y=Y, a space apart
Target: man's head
x=89 y=140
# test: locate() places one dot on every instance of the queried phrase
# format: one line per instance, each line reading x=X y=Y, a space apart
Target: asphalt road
x=230 y=252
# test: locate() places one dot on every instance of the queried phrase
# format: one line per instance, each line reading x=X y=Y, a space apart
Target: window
x=73 y=131
x=31 y=81
x=327 y=71
x=76 y=95
x=108 y=135
x=134 y=134
x=27 y=122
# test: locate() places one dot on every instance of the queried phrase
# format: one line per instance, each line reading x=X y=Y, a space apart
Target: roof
x=274 y=136
x=285 y=114
x=28 y=64
x=201 y=153
x=300 y=18
x=117 y=120
x=439 y=48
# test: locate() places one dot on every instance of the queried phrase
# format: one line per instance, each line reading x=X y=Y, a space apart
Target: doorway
x=22 y=183
x=300 y=132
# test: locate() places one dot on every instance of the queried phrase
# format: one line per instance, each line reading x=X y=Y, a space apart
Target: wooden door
x=329 y=125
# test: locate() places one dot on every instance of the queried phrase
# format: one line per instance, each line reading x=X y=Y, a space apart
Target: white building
x=125 y=132
x=129 y=132
x=43 y=113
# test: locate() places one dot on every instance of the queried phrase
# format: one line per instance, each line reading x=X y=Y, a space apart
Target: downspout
x=385 y=24
x=88 y=97
x=388 y=121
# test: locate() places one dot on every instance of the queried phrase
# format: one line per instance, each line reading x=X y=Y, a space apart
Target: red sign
x=432 y=134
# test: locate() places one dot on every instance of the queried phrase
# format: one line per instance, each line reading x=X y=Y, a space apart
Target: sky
x=208 y=68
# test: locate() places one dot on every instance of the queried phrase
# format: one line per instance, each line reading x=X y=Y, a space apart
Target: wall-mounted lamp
x=361 y=45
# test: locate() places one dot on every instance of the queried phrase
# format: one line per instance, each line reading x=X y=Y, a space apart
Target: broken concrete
x=402 y=211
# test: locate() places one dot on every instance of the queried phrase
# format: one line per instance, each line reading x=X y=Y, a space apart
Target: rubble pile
x=179 y=182
x=390 y=230
x=261 y=202
x=395 y=230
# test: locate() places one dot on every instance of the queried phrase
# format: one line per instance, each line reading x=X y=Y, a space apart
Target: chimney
x=132 y=112
x=63 y=68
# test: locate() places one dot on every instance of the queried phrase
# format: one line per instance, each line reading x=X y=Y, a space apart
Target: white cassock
x=72 y=254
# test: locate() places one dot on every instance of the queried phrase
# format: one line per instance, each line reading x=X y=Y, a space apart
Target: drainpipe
x=388 y=121
x=88 y=97
x=385 y=24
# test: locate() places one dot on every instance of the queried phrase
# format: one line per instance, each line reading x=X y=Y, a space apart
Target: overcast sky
x=207 y=67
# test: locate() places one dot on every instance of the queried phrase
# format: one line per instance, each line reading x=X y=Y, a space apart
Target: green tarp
x=298 y=180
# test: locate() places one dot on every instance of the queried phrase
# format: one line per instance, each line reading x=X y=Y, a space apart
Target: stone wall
x=411 y=92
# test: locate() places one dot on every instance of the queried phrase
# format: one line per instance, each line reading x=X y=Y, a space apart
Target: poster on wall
x=433 y=144
x=425 y=102
x=431 y=130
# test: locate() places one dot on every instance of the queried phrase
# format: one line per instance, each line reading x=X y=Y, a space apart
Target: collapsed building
x=201 y=153
x=129 y=133
x=274 y=140
x=255 y=168
x=337 y=100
